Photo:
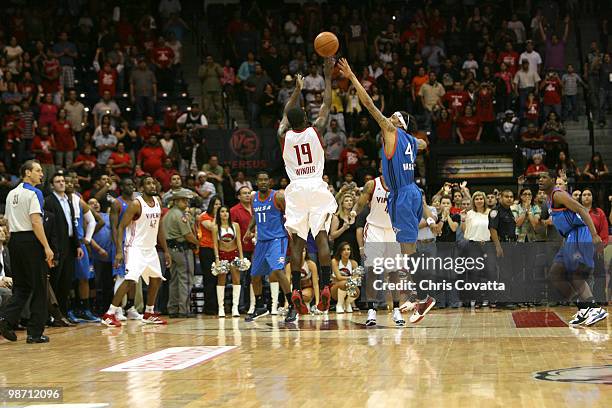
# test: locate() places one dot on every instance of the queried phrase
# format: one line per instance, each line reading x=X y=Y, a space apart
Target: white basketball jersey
x=142 y=232
x=379 y=214
x=303 y=155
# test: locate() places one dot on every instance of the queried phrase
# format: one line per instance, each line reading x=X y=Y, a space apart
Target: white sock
x=274 y=292
x=112 y=309
x=150 y=309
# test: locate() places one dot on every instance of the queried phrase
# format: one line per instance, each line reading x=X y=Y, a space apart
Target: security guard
x=31 y=256
x=180 y=237
x=503 y=230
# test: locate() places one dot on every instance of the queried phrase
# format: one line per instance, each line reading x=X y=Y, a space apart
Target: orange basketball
x=326 y=44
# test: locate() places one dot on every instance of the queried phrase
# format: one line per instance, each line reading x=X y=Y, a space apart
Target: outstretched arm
x=385 y=124
x=321 y=121
x=284 y=125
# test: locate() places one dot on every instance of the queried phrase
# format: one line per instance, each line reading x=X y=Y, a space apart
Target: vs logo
x=244 y=143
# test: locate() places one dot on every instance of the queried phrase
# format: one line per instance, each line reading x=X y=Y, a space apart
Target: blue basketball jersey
x=398 y=170
x=564 y=219
x=268 y=218
x=103 y=238
x=124 y=206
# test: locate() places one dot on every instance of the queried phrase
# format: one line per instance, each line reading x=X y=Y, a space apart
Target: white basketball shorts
x=142 y=262
x=308 y=207
x=379 y=243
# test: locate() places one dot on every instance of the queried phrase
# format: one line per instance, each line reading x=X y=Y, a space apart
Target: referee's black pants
x=29 y=278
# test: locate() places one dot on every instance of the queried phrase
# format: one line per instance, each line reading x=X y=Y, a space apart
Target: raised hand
x=345 y=68
x=328 y=66
x=299 y=81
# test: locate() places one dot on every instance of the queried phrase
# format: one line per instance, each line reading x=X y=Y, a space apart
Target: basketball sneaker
x=371 y=320
x=324 y=301
x=259 y=312
x=89 y=317
x=153 y=318
x=595 y=315
x=72 y=317
x=291 y=315
x=407 y=306
x=110 y=320
x=580 y=317
x=132 y=314
x=119 y=314
x=422 y=308
x=298 y=302
x=397 y=318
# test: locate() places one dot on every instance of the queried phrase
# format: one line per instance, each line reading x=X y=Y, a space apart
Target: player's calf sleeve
x=296 y=277
x=325 y=275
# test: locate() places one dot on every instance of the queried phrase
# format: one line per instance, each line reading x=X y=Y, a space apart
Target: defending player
x=574 y=262
x=405 y=201
x=271 y=246
x=309 y=204
x=143 y=217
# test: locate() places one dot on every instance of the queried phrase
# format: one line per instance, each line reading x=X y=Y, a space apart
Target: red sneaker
x=298 y=302
x=324 y=301
x=153 y=318
x=110 y=320
x=422 y=308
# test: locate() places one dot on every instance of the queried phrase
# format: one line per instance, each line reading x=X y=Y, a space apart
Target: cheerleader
x=309 y=279
x=342 y=268
x=227 y=246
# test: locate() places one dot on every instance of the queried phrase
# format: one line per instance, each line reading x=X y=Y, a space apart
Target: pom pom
x=354 y=281
x=242 y=264
x=220 y=269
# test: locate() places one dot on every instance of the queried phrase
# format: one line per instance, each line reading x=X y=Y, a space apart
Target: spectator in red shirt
x=551 y=91
x=537 y=167
x=456 y=100
x=48 y=111
x=241 y=213
x=444 y=126
x=349 y=158
x=121 y=161
x=149 y=128
x=12 y=128
x=107 y=75
x=163 y=57
x=51 y=75
x=65 y=142
x=510 y=58
x=43 y=147
x=485 y=111
x=151 y=156
x=170 y=116
x=469 y=128
x=165 y=173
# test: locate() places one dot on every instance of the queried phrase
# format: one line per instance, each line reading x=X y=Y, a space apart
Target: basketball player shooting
x=405 y=201
x=142 y=218
x=309 y=204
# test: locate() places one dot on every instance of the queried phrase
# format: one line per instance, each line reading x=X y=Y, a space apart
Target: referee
x=30 y=256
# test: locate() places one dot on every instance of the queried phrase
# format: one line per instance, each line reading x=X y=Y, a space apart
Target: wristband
x=430 y=221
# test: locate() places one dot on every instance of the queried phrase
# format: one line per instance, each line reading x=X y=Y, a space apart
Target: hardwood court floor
x=454 y=358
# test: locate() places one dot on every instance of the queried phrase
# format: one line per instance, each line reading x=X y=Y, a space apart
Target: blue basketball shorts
x=269 y=256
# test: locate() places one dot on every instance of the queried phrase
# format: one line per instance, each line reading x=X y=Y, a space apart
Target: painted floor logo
x=585 y=375
x=170 y=359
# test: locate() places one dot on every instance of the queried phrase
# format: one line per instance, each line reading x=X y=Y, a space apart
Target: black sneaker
x=291 y=315
x=259 y=312
x=37 y=339
x=6 y=331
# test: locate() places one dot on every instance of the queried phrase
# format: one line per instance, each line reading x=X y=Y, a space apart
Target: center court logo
x=244 y=143
x=587 y=375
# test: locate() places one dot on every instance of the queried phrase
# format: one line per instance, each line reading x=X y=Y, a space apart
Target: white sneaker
x=371 y=321
x=132 y=314
x=119 y=314
x=595 y=315
x=407 y=306
x=339 y=308
x=274 y=310
x=397 y=318
x=580 y=317
x=349 y=308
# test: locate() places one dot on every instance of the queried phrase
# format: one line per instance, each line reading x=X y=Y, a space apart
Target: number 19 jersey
x=303 y=155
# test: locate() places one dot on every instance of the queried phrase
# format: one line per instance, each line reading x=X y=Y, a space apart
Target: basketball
x=326 y=44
